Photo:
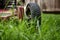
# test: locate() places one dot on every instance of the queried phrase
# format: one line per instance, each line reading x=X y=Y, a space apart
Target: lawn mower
x=17 y=8
x=9 y=8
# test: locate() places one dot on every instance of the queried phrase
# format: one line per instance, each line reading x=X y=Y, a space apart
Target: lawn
x=15 y=29
x=50 y=29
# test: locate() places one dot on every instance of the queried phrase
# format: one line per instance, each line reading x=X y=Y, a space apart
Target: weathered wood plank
x=49 y=5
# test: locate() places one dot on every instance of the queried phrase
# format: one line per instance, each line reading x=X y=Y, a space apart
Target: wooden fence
x=46 y=5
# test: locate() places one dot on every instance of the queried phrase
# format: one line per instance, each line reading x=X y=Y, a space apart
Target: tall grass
x=50 y=29
x=15 y=29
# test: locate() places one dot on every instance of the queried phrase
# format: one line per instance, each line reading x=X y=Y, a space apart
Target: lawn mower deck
x=8 y=10
x=5 y=13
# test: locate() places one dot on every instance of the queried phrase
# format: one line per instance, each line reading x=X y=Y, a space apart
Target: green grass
x=15 y=29
x=50 y=29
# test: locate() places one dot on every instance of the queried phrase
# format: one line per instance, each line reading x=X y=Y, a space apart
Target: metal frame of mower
x=32 y=12
x=11 y=8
